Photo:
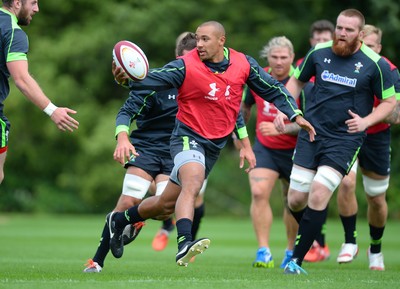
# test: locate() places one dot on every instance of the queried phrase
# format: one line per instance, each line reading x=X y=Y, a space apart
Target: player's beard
x=343 y=48
x=23 y=15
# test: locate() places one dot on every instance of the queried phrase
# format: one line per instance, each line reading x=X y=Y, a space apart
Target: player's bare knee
x=258 y=193
x=348 y=184
x=297 y=200
x=168 y=208
x=377 y=202
x=125 y=202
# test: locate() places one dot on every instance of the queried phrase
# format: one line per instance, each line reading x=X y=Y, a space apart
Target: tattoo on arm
x=292 y=129
x=246 y=112
x=394 y=117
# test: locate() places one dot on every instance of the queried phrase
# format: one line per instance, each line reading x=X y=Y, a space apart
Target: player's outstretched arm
x=31 y=89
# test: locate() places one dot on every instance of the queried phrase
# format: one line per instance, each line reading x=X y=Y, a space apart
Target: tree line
x=70 y=56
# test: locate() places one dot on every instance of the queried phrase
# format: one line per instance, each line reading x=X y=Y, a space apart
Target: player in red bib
x=210 y=81
x=274 y=152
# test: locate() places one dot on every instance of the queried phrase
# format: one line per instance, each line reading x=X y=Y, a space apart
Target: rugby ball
x=131 y=59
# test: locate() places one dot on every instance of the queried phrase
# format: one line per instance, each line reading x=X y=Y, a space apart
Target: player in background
x=14 y=63
x=273 y=152
x=155 y=117
x=374 y=162
x=210 y=80
x=347 y=76
x=320 y=31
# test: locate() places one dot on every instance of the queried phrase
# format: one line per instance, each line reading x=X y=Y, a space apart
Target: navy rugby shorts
x=151 y=164
x=275 y=159
x=375 y=153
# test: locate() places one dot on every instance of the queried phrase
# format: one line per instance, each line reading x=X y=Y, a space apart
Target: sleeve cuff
x=297 y=112
x=242 y=132
x=121 y=128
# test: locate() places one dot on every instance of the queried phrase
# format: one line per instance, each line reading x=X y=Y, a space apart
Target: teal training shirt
x=14 y=46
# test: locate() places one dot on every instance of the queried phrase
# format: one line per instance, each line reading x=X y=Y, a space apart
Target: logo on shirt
x=327 y=60
x=193 y=143
x=358 y=66
x=338 y=79
x=171 y=96
x=215 y=89
x=268 y=109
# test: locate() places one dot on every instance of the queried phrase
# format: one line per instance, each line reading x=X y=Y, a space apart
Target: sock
x=104 y=246
x=309 y=226
x=349 y=226
x=130 y=216
x=168 y=225
x=183 y=228
x=376 y=235
x=198 y=215
x=321 y=236
x=298 y=215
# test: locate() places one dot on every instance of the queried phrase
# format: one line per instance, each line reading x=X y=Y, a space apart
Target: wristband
x=50 y=108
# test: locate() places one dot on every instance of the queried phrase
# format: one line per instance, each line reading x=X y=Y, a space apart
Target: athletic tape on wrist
x=50 y=108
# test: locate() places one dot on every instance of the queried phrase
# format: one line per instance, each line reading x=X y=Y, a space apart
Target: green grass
x=50 y=251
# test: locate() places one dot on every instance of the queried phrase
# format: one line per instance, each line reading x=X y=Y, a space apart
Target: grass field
x=50 y=251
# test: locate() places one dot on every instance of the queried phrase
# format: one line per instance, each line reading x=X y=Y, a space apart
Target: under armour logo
x=327 y=60
x=171 y=96
x=227 y=91
x=214 y=89
x=193 y=143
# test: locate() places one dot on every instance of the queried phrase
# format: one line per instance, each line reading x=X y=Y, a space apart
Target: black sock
x=168 y=224
x=376 y=235
x=309 y=226
x=198 y=215
x=321 y=236
x=104 y=246
x=349 y=226
x=183 y=228
x=298 y=215
x=130 y=216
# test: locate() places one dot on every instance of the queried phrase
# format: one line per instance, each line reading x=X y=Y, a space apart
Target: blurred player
x=374 y=162
x=273 y=152
x=14 y=63
x=347 y=76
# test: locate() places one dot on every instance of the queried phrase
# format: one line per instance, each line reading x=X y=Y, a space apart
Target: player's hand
x=247 y=154
x=304 y=124
x=268 y=129
x=119 y=74
x=124 y=150
x=279 y=122
x=356 y=123
x=63 y=120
